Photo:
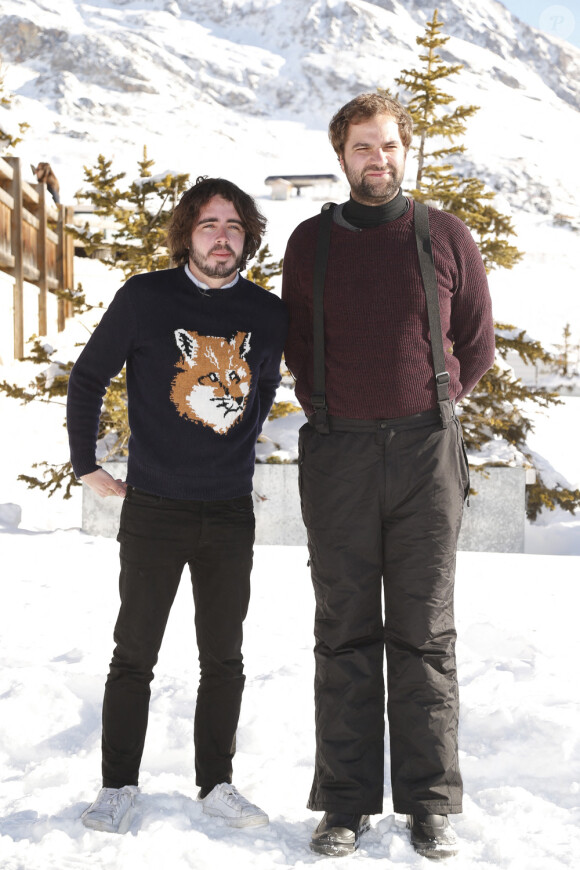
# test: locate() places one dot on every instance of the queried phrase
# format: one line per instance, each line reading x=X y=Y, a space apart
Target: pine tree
x=564 y=359
x=140 y=214
x=264 y=268
x=7 y=140
x=496 y=407
x=436 y=179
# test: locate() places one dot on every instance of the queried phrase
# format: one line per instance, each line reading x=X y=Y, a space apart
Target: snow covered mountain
x=121 y=71
x=245 y=89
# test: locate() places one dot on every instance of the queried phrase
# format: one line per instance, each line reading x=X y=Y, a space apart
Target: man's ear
x=341 y=161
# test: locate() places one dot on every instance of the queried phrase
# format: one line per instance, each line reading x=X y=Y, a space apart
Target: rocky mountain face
x=121 y=70
x=356 y=32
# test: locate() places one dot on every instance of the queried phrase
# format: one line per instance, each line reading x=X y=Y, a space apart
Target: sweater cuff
x=82 y=467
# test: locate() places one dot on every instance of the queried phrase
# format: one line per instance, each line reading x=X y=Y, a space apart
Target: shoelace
x=110 y=803
x=232 y=797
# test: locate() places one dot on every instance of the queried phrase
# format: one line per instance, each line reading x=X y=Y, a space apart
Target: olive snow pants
x=382 y=502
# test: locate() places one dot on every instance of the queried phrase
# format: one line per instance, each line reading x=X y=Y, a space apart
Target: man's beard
x=369 y=192
x=219 y=270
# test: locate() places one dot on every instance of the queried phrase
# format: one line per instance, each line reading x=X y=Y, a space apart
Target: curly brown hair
x=362 y=108
x=187 y=210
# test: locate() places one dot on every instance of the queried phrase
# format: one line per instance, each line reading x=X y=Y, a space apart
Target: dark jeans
x=158 y=536
x=383 y=511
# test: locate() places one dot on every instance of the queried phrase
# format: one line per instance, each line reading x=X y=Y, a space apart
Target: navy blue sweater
x=202 y=373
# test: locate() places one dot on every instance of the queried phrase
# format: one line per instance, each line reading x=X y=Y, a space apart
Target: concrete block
x=101 y=515
x=494 y=521
x=277 y=505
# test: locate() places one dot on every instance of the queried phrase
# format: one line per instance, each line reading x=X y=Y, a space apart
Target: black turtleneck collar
x=365 y=216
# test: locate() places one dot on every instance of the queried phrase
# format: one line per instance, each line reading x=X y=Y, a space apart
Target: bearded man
x=202 y=347
x=390 y=326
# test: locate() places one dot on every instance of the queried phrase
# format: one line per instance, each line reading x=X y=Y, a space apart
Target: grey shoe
x=432 y=836
x=338 y=834
x=111 y=811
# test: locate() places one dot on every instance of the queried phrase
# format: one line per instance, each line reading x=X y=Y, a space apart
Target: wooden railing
x=34 y=247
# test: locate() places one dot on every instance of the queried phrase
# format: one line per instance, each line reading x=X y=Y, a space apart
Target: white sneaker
x=112 y=810
x=225 y=802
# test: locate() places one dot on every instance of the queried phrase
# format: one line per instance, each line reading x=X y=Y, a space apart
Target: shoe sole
x=241 y=822
x=103 y=827
x=436 y=853
x=336 y=848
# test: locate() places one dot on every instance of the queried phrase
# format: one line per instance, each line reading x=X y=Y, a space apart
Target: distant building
x=283 y=185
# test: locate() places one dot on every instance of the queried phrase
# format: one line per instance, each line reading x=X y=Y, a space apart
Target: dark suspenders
x=429 y=277
x=318 y=399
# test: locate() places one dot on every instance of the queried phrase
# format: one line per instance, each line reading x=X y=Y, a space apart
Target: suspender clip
x=442 y=381
x=320 y=417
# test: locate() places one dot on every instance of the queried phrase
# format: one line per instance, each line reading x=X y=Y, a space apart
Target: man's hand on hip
x=103 y=484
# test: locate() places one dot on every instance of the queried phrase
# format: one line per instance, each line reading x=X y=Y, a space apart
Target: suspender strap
x=318 y=398
x=429 y=276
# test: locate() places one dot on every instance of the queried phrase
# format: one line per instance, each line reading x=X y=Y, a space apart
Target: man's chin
x=227 y=269
x=374 y=196
x=221 y=272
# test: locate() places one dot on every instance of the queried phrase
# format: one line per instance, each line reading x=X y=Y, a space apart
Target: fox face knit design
x=214 y=380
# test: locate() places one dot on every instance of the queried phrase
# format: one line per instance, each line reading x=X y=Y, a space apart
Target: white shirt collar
x=203 y=286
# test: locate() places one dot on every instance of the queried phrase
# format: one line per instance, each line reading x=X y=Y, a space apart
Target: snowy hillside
x=245 y=89
x=124 y=72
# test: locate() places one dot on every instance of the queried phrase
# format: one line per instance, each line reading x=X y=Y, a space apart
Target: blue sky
x=558 y=19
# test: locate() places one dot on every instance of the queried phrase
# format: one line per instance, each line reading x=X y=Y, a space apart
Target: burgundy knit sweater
x=378 y=353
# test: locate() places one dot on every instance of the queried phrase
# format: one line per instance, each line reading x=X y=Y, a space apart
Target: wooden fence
x=34 y=248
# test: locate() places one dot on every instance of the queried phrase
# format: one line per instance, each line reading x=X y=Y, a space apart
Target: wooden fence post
x=42 y=260
x=61 y=268
x=18 y=254
x=69 y=247
x=65 y=262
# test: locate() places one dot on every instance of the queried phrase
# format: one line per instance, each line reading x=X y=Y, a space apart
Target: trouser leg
x=151 y=568
x=221 y=589
x=341 y=512
x=146 y=599
x=419 y=567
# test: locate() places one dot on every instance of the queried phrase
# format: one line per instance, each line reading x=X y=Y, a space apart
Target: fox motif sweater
x=377 y=343
x=202 y=372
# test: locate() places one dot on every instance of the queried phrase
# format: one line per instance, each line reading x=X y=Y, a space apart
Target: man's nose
x=222 y=233
x=379 y=156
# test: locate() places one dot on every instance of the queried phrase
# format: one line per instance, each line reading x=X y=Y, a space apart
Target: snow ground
x=517 y=656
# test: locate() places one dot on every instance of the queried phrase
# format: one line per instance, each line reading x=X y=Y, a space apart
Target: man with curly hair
x=202 y=348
